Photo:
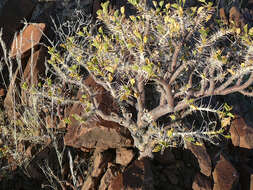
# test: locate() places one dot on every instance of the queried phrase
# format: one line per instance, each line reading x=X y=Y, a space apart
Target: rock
x=116 y=183
x=201 y=183
x=241 y=133
x=204 y=160
x=246 y=177
x=171 y=176
x=91 y=183
x=2 y=92
x=138 y=176
x=166 y=158
x=27 y=39
x=97 y=133
x=225 y=175
x=124 y=156
x=31 y=78
x=13 y=94
x=235 y=17
x=109 y=176
x=35 y=67
x=100 y=163
x=13 y=12
x=223 y=15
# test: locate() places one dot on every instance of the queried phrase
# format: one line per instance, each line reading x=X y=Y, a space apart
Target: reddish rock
x=14 y=91
x=111 y=173
x=91 y=183
x=138 y=176
x=203 y=157
x=117 y=183
x=100 y=163
x=241 y=133
x=225 y=175
x=124 y=156
x=2 y=92
x=27 y=39
x=201 y=182
x=13 y=94
x=223 y=15
x=35 y=68
x=97 y=133
x=13 y=12
x=235 y=17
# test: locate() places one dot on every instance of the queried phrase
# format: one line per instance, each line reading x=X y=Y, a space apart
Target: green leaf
x=137 y=34
x=173 y=117
x=157 y=148
x=100 y=30
x=133 y=18
x=245 y=28
x=84 y=96
x=167 y=6
x=132 y=81
x=200 y=9
x=161 y=3
x=24 y=86
x=105 y=6
x=110 y=69
x=251 y=31
x=189 y=139
x=122 y=10
x=170 y=132
x=202 y=1
x=116 y=13
x=80 y=34
x=174 y=5
x=148 y=69
x=154 y=3
x=145 y=39
x=230 y=115
x=227 y=136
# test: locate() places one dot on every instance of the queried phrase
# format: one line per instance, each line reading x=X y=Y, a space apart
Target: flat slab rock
x=97 y=133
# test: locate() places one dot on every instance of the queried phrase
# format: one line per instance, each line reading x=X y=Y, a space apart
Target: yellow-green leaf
x=251 y=31
x=200 y=9
x=122 y=10
x=132 y=81
x=170 y=132
x=110 y=69
x=145 y=39
x=173 y=117
x=157 y=148
x=225 y=122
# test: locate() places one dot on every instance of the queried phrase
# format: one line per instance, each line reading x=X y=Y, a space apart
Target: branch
x=175 y=56
x=160 y=111
x=236 y=88
x=168 y=92
x=140 y=99
x=211 y=82
x=178 y=71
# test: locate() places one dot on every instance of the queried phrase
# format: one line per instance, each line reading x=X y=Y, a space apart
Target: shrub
x=164 y=63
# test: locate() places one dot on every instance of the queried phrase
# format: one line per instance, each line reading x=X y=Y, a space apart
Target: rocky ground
x=100 y=155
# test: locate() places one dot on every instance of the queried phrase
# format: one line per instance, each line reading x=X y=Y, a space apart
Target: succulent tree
x=161 y=62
